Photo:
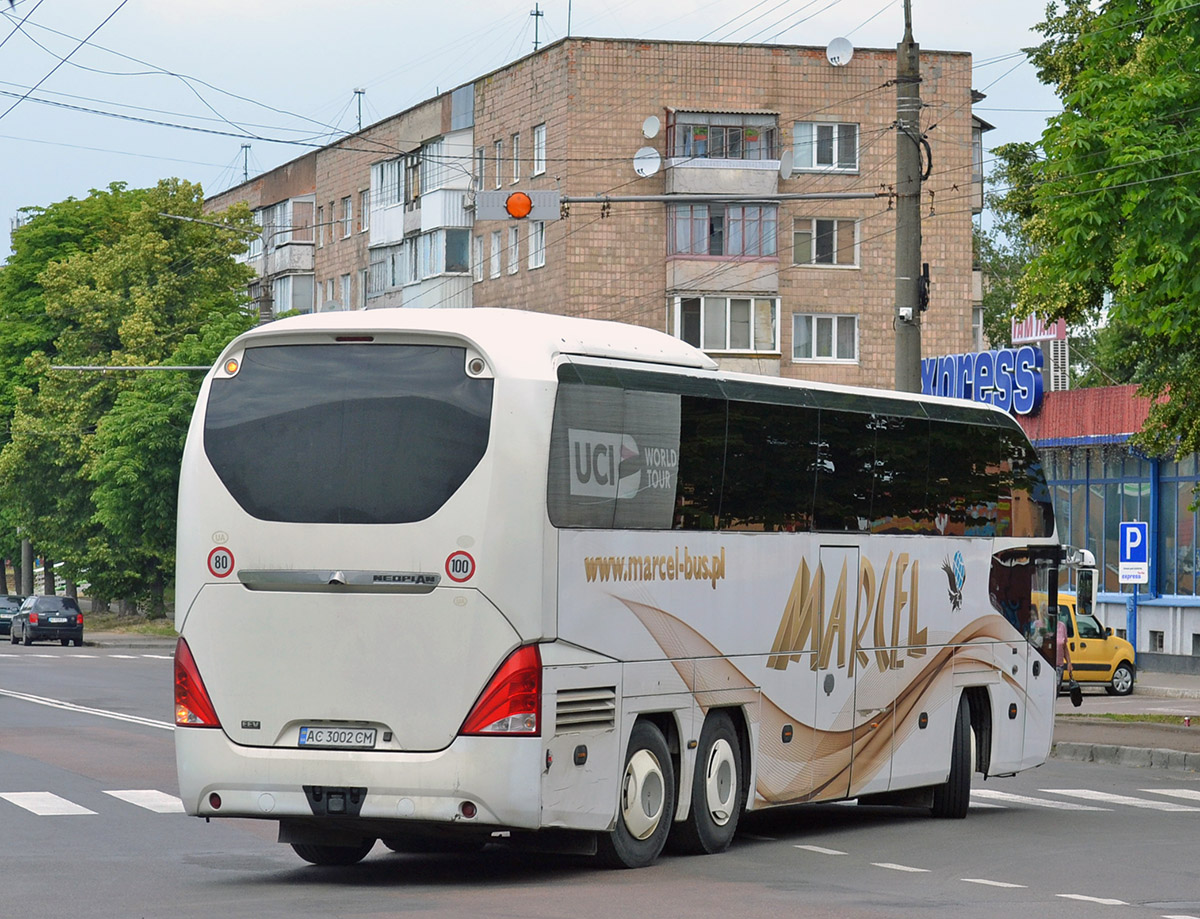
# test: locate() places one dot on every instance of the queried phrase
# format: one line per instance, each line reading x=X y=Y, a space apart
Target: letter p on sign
x=1134 y=549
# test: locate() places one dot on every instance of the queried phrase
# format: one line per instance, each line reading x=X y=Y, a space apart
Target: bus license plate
x=342 y=738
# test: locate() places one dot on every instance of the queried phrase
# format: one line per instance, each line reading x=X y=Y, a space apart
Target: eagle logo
x=956 y=575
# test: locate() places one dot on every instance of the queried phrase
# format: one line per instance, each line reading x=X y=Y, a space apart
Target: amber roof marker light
x=518 y=205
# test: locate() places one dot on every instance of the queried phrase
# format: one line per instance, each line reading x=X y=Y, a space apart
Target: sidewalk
x=1114 y=743
x=126 y=640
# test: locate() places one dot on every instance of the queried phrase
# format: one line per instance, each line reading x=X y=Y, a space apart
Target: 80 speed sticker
x=460 y=566
x=220 y=562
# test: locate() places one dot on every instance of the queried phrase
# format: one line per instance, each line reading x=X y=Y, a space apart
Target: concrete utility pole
x=908 y=210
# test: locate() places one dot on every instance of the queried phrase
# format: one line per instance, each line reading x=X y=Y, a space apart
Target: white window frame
x=514 y=249
x=810 y=140
x=347 y=216
x=537 y=244
x=494 y=265
x=364 y=210
x=362 y=288
x=716 y=322
x=696 y=225
x=346 y=291
x=498 y=155
x=480 y=166
x=814 y=320
x=812 y=226
x=477 y=258
x=516 y=158
x=320 y=226
x=539 y=149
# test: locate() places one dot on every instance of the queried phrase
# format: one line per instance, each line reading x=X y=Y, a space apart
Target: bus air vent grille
x=585 y=710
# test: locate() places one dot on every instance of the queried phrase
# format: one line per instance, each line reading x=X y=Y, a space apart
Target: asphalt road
x=88 y=731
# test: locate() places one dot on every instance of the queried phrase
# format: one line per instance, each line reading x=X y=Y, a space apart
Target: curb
x=1114 y=755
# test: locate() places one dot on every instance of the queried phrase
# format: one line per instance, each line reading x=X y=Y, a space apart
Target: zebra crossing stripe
x=150 y=799
x=1089 y=795
x=1188 y=794
x=821 y=850
x=45 y=804
x=1008 y=797
x=1103 y=901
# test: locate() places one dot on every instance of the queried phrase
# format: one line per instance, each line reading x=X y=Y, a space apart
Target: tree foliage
x=1113 y=208
x=89 y=466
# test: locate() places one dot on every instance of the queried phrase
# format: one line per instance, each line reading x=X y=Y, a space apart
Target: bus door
x=1041 y=678
x=835 y=717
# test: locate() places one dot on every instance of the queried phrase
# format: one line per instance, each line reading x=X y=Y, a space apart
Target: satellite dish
x=785 y=165
x=839 y=52
x=650 y=127
x=646 y=162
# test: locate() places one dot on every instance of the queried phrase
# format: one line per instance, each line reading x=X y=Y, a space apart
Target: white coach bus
x=450 y=577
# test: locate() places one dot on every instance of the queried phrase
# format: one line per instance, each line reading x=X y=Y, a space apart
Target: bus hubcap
x=642 y=795
x=720 y=782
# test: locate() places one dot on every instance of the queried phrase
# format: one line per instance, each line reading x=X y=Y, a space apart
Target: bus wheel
x=647 y=802
x=716 y=791
x=333 y=855
x=952 y=798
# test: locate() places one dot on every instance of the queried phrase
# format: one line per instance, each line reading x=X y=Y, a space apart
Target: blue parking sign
x=1133 y=553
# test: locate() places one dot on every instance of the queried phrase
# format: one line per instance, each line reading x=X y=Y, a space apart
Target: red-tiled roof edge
x=1096 y=414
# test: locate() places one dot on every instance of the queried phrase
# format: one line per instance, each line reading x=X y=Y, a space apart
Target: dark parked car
x=48 y=617
x=9 y=604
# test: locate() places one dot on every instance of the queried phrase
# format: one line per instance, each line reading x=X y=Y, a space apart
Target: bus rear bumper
x=270 y=782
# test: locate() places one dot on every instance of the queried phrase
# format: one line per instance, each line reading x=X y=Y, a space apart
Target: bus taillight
x=193 y=708
x=512 y=702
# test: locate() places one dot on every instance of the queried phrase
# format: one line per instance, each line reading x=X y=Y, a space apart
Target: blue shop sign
x=1009 y=378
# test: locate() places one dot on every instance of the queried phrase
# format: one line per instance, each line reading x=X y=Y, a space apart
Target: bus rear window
x=347 y=433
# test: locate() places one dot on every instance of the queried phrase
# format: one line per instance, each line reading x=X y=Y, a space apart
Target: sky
x=99 y=91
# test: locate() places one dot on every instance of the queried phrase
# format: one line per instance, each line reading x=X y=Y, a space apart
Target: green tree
x=137 y=297
x=1114 y=206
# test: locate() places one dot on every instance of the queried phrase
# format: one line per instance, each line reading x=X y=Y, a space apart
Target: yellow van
x=1097 y=655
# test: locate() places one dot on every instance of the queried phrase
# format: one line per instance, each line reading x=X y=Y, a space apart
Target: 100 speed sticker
x=460 y=566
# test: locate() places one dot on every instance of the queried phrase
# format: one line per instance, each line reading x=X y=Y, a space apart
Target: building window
x=498 y=156
x=1096 y=487
x=516 y=158
x=977 y=327
x=292 y=293
x=824 y=337
x=364 y=210
x=728 y=323
x=345 y=291
x=825 y=241
x=480 y=166
x=514 y=249
x=456 y=260
x=329 y=290
x=387 y=182
x=412 y=178
x=823 y=147
x=709 y=135
x=1156 y=642
x=537 y=244
x=347 y=215
x=729 y=230
x=477 y=259
x=362 y=288
x=539 y=149
x=321 y=226
x=494 y=271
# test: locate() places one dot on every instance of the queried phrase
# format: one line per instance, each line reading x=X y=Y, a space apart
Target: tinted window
x=8 y=603
x=845 y=471
x=614 y=458
x=701 y=463
x=1023 y=484
x=347 y=433
x=55 y=605
x=899 y=502
x=770 y=467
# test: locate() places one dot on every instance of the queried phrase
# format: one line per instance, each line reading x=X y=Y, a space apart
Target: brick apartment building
x=799 y=288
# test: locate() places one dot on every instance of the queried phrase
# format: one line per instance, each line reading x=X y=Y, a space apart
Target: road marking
x=161 y=657
x=1181 y=917
x=980 y=805
x=83 y=709
x=45 y=804
x=84 y=655
x=124 y=657
x=988 y=883
x=1189 y=794
x=821 y=850
x=1035 y=802
x=50 y=656
x=893 y=867
x=150 y=799
x=1089 y=795
x=1103 y=901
